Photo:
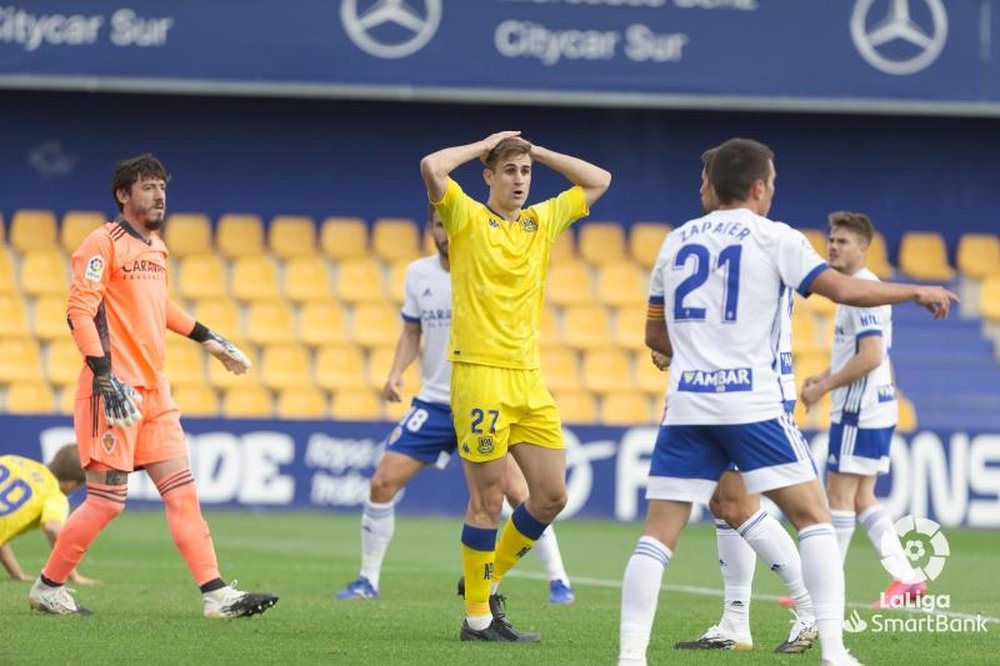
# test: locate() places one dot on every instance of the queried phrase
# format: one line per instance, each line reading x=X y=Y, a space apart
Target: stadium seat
x=629 y=329
x=808 y=364
x=924 y=256
x=878 y=258
x=907 y=423
x=340 y=366
x=561 y=368
x=202 y=276
x=269 y=322
x=184 y=363
x=815 y=304
x=8 y=279
x=344 y=238
x=395 y=411
x=805 y=337
x=644 y=241
x=817 y=238
x=291 y=236
x=586 y=327
x=626 y=407
x=284 y=366
x=397 y=281
x=186 y=234
x=569 y=284
x=360 y=281
x=379 y=365
x=979 y=255
x=302 y=403
x=63 y=363
x=77 y=225
x=3 y=232
x=606 y=370
x=13 y=316
x=247 y=402
x=32 y=397
x=602 y=242
x=66 y=400
x=621 y=283
x=50 y=318
x=576 y=406
x=356 y=405
x=220 y=314
x=44 y=272
x=239 y=235
x=33 y=231
x=549 y=328
x=255 y=278
x=307 y=279
x=376 y=325
x=563 y=248
x=648 y=378
x=322 y=323
x=22 y=360
x=196 y=400
x=396 y=239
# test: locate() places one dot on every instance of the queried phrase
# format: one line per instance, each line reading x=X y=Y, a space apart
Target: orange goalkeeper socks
x=189 y=529
x=102 y=505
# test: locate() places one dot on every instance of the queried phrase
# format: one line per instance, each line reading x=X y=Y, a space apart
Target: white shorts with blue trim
x=855 y=450
x=688 y=459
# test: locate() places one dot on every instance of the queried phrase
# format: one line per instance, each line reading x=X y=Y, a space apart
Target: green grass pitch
x=148 y=611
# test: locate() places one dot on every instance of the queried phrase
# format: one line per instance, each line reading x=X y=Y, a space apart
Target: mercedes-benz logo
x=899 y=27
x=420 y=27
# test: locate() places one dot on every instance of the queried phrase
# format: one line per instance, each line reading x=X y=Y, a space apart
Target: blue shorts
x=688 y=459
x=855 y=450
x=789 y=409
x=426 y=432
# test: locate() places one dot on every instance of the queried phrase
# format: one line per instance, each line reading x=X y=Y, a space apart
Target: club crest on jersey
x=725 y=380
x=886 y=393
x=494 y=223
x=529 y=226
x=485 y=445
x=394 y=436
x=95 y=268
x=108 y=441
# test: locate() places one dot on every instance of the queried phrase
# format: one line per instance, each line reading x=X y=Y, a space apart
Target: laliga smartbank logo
x=926 y=550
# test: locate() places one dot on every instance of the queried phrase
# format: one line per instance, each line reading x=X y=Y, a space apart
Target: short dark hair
x=736 y=165
x=512 y=145
x=130 y=171
x=708 y=156
x=65 y=465
x=859 y=223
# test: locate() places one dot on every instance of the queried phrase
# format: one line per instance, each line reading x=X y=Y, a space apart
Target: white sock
x=378 y=522
x=775 y=546
x=843 y=525
x=738 y=562
x=547 y=551
x=882 y=533
x=640 y=594
x=823 y=572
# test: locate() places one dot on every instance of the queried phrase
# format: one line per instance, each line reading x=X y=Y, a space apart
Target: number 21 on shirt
x=728 y=260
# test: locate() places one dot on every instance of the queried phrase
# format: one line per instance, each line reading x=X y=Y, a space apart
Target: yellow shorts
x=497 y=407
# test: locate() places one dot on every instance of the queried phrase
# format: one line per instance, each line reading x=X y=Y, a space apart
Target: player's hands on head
x=490 y=142
x=393 y=389
x=937 y=300
x=228 y=353
x=119 y=400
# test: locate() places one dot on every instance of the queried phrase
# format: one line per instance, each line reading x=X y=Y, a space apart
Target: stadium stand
x=292 y=236
x=396 y=239
x=77 y=225
x=344 y=238
x=601 y=242
x=32 y=230
x=307 y=279
x=239 y=235
x=187 y=233
x=923 y=256
x=644 y=241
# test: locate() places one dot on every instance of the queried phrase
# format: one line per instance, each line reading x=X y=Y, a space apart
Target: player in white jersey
x=717 y=285
x=864 y=412
x=426 y=434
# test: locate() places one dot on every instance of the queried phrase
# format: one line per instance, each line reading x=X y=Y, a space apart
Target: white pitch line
x=713 y=592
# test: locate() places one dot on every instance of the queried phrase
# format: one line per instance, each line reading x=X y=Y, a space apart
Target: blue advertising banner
x=774 y=53
x=952 y=478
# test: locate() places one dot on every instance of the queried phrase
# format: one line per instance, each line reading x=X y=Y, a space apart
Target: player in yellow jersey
x=33 y=495
x=499 y=253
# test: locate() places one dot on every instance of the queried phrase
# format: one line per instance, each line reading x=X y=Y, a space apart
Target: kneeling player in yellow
x=499 y=253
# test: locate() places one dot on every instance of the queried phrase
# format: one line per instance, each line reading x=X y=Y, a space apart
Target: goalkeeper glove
x=120 y=400
x=230 y=355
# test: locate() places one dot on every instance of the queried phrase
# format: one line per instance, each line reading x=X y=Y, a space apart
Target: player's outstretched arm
x=868 y=293
x=11 y=564
x=435 y=167
x=593 y=179
x=407 y=349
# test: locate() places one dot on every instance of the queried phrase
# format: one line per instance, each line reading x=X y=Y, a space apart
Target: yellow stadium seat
x=302 y=403
x=989 y=299
x=219 y=377
x=907 y=423
x=8 y=280
x=202 y=276
x=817 y=238
x=285 y=366
x=644 y=241
x=360 y=281
x=379 y=365
x=629 y=330
x=63 y=362
x=188 y=233
x=30 y=398
x=878 y=258
x=648 y=378
x=50 y=318
x=344 y=238
x=979 y=255
x=606 y=370
x=185 y=362
x=270 y=322
x=924 y=256
x=626 y=407
x=307 y=279
x=322 y=323
x=255 y=278
x=240 y=235
x=563 y=249
x=395 y=411
x=340 y=366
x=2 y=231
x=621 y=284
x=13 y=316
x=196 y=400
x=292 y=236
x=805 y=337
x=44 y=272
x=561 y=368
x=396 y=239
x=569 y=284
x=376 y=325
x=77 y=225
x=602 y=242
x=356 y=405
x=550 y=336
x=247 y=402
x=22 y=360
x=220 y=314
x=818 y=305
x=66 y=402
x=33 y=231
x=576 y=406
x=808 y=364
x=586 y=327
x=397 y=281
